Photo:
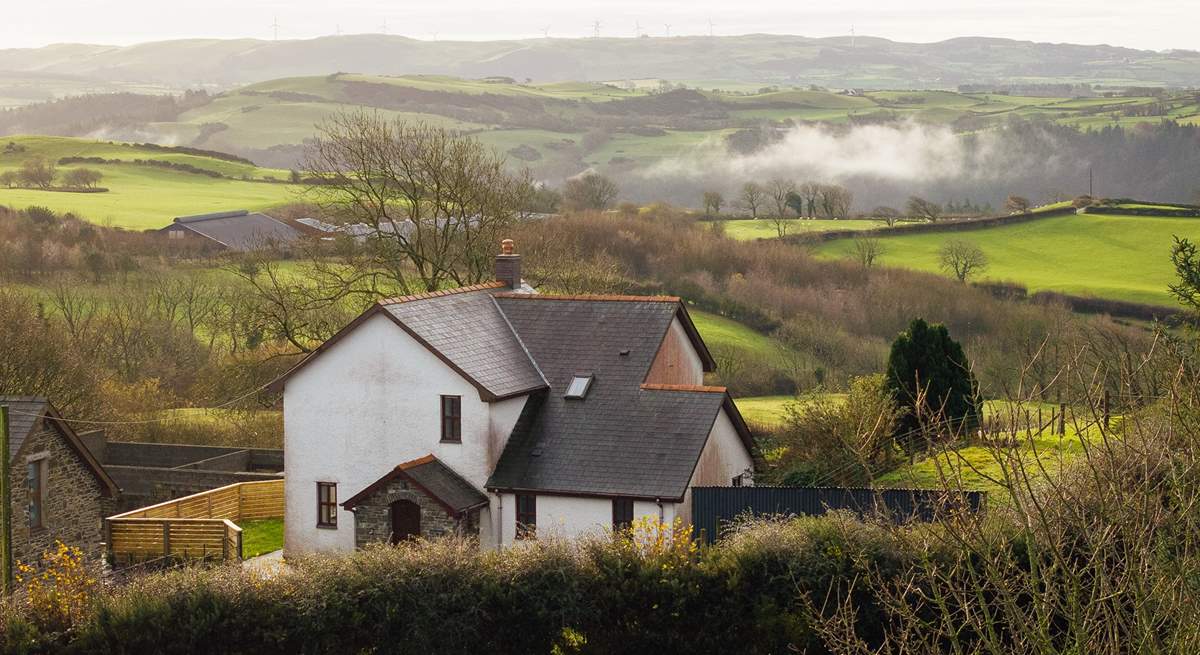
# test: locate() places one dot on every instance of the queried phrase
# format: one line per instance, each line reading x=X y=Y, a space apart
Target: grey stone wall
x=373 y=521
x=142 y=486
x=75 y=507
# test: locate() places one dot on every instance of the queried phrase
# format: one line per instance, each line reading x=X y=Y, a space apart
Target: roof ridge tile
x=441 y=293
x=587 y=296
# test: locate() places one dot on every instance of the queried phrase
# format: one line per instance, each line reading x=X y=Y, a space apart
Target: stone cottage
x=59 y=491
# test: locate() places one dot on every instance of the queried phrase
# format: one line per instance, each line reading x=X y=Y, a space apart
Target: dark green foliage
x=1186 y=259
x=931 y=377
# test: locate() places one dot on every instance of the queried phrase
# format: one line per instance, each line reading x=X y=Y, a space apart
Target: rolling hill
x=753 y=58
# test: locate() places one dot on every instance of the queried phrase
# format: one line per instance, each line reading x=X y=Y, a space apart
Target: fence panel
x=200 y=526
x=714 y=508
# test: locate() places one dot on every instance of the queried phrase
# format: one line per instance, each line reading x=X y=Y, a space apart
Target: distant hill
x=756 y=58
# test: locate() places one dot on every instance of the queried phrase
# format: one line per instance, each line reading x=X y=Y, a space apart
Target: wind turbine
x=851 y=36
x=710 y=26
x=637 y=28
x=275 y=26
x=596 y=29
x=383 y=28
x=668 y=26
x=546 y=32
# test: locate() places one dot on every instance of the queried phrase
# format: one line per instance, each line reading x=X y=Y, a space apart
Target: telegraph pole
x=6 y=554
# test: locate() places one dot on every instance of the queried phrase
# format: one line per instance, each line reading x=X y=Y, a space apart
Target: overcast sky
x=1149 y=24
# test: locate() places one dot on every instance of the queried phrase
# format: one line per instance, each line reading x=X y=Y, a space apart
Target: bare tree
x=835 y=201
x=38 y=172
x=589 y=191
x=712 y=203
x=1017 y=205
x=810 y=192
x=889 y=215
x=962 y=259
x=867 y=249
x=82 y=177
x=921 y=208
x=436 y=202
x=752 y=197
x=779 y=189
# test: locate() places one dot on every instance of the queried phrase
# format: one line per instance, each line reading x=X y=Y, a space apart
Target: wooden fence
x=200 y=526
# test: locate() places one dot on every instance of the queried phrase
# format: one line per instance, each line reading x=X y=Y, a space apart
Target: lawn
x=1116 y=257
x=764 y=228
x=261 y=537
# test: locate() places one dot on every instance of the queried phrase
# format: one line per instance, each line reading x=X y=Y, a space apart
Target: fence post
x=209 y=497
x=1062 y=419
x=1105 y=408
x=225 y=541
x=166 y=538
x=6 y=554
x=240 y=503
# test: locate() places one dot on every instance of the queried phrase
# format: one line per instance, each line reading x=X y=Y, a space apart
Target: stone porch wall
x=373 y=521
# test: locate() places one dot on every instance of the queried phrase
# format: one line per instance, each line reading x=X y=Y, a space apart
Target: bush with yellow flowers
x=56 y=595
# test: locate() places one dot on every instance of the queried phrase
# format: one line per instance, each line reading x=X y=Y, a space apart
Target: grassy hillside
x=1117 y=257
x=720 y=332
x=143 y=196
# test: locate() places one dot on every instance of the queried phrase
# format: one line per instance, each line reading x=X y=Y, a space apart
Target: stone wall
x=142 y=486
x=74 y=507
x=373 y=521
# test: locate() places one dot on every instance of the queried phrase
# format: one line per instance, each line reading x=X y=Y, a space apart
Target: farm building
x=495 y=411
x=236 y=231
x=58 y=489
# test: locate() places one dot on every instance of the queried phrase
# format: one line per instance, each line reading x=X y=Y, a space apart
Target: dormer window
x=579 y=386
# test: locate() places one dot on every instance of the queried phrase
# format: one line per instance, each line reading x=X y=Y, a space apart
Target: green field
x=771 y=410
x=764 y=228
x=718 y=331
x=978 y=467
x=1115 y=257
x=140 y=196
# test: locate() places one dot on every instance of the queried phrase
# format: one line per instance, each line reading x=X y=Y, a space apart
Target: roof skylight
x=579 y=386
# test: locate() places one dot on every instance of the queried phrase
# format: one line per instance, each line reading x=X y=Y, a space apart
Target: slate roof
x=468 y=329
x=436 y=479
x=23 y=412
x=238 y=230
x=622 y=439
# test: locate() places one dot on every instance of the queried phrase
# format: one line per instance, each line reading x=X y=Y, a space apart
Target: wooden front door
x=406 y=520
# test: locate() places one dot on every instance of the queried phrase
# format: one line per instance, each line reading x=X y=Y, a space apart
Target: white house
x=497 y=411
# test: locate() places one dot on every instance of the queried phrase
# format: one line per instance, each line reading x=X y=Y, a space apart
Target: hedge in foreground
x=648 y=590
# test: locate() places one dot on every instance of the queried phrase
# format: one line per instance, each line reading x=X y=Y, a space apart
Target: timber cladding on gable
x=676 y=361
x=75 y=504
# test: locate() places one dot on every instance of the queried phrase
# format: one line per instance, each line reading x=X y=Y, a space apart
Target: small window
x=36 y=478
x=326 y=504
x=526 y=516
x=622 y=513
x=452 y=418
x=579 y=386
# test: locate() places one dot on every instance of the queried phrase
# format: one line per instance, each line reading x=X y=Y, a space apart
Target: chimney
x=508 y=265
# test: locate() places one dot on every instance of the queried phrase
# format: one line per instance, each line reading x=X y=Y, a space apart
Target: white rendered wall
x=574 y=516
x=367 y=404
